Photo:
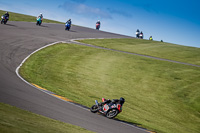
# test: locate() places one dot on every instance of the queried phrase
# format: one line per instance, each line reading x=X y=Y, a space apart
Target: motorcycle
x=97 y=26
x=4 y=19
x=137 y=34
x=110 y=110
x=67 y=26
x=39 y=21
x=141 y=36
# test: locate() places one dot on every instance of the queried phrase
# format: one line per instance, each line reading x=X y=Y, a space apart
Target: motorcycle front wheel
x=112 y=113
x=94 y=109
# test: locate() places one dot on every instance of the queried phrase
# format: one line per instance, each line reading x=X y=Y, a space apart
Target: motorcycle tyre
x=111 y=117
x=94 y=109
x=67 y=28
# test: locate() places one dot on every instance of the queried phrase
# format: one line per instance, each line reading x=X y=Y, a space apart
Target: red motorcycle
x=97 y=26
x=109 y=108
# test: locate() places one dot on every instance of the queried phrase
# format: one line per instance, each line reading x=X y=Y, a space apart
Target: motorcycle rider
x=41 y=16
x=151 y=38
x=141 y=35
x=99 y=23
x=69 y=22
x=118 y=101
x=5 y=18
x=137 y=33
x=7 y=14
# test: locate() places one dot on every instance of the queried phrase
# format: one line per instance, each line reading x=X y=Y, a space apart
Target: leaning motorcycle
x=67 y=26
x=39 y=21
x=4 y=19
x=110 y=110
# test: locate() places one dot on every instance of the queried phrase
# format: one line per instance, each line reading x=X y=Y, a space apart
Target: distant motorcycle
x=110 y=110
x=4 y=19
x=97 y=26
x=67 y=26
x=137 y=34
x=141 y=36
x=39 y=21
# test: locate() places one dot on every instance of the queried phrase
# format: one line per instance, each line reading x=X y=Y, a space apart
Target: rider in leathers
x=6 y=15
x=119 y=101
x=69 y=22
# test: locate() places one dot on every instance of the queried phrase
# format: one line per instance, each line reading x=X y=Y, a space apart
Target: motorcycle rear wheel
x=94 y=109
x=112 y=113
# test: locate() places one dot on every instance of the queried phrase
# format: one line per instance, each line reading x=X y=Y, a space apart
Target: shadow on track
x=72 y=31
x=44 y=26
x=10 y=25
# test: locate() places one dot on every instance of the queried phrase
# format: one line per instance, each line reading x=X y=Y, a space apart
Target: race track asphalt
x=17 y=41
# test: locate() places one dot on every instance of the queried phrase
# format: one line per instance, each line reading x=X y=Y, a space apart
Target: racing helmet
x=70 y=19
x=40 y=13
x=122 y=100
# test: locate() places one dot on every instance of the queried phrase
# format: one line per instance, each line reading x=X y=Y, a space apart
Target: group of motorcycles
x=4 y=20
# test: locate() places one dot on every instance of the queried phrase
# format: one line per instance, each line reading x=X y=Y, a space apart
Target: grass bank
x=159 y=95
x=15 y=120
x=26 y=18
x=153 y=48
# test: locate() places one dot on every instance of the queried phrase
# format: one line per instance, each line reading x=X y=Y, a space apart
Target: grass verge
x=15 y=120
x=152 y=48
x=159 y=95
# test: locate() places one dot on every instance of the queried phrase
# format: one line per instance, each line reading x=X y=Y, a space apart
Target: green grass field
x=159 y=95
x=153 y=48
x=26 y=18
x=15 y=120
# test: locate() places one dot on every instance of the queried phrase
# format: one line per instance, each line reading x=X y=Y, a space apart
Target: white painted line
x=17 y=69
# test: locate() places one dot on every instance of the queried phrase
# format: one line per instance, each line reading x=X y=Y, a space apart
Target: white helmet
x=98 y=21
x=40 y=13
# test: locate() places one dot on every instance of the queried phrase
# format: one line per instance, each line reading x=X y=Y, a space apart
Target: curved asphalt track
x=17 y=41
